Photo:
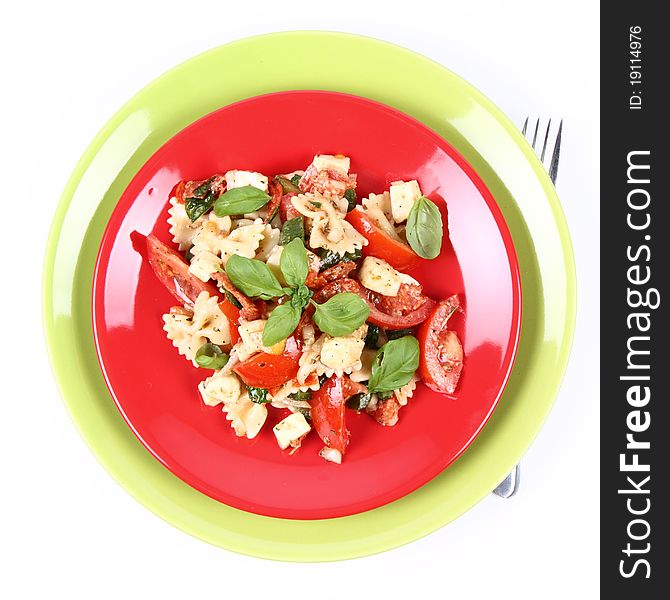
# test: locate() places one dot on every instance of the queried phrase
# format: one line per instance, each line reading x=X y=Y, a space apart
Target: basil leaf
x=424 y=228
x=330 y=259
x=372 y=336
x=196 y=207
x=293 y=263
x=258 y=395
x=394 y=334
x=291 y=230
x=359 y=401
x=301 y=396
x=282 y=323
x=342 y=314
x=210 y=356
x=300 y=296
x=350 y=195
x=287 y=185
x=239 y=201
x=253 y=277
x=394 y=365
x=295 y=180
x=234 y=301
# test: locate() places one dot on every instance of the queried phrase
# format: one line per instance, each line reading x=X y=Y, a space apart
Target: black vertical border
x=628 y=539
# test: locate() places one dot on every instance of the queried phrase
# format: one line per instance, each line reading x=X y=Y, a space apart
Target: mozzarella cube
x=235 y=179
x=377 y=275
x=338 y=163
x=291 y=429
x=403 y=196
x=341 y=353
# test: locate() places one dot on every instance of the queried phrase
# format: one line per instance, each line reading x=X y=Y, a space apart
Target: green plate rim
x=313 y=60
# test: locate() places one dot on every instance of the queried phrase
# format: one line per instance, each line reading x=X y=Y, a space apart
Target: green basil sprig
x=210 y=356
x=394 y=365
x=342 y=314
x=295 y=180
x=284 y=319
x=239 y=201
x=424 y=228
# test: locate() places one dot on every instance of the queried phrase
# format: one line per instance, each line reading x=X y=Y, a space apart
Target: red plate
x=156 y=389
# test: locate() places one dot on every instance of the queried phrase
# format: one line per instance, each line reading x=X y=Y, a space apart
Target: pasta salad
x=295 y=296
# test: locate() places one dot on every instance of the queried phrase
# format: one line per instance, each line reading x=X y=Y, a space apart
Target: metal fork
x=510 y=485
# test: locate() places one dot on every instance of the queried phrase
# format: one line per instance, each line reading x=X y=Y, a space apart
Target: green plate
x=313 y=61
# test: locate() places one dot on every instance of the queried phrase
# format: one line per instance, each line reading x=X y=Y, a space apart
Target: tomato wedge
x=178 y=191
x=286 y=209
x=328 y=409
x=377 y=316
x=381 y=245
x=172 y=271
x=338 y=286
x=277 y=193
x=441 y=359
x=251 y=309
x=271 y=370
x=233 y=315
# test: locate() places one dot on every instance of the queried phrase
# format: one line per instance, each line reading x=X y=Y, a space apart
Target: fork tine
x=544 y=146
x=537 y=125
x=525 y=126
x=553 y=168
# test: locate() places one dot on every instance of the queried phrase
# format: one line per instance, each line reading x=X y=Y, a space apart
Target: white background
x=67 y=528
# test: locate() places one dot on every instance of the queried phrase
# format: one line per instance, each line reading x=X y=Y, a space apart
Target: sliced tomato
x=411 y=319
x=233 y=315
x=251 y=309
x=441 y=358
x=328 y=410
x=276 y=193
x=410 y=297
x=178 y=191
x=172 y=271
x=314 y=281
x=380 y=244
x=271 y=370
x=286 y=209
x=337 y=287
